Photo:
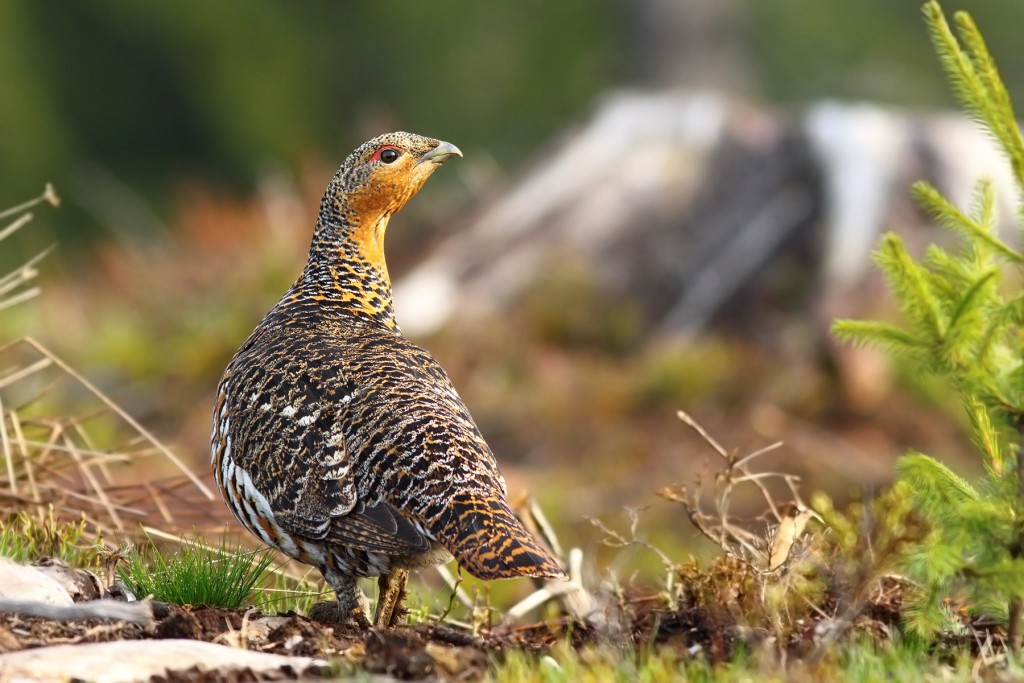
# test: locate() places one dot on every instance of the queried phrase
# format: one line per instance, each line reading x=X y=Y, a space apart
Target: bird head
x=381 y=175
x=377 y=179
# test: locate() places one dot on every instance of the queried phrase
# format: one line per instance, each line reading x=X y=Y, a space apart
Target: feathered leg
x=351 y=606
x=389 y=602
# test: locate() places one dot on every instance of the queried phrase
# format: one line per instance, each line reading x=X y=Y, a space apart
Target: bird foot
x=330 y=613
x=386 y=622
x=391 y=599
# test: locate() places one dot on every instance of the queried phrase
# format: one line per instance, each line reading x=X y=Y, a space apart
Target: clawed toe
x=330 y=613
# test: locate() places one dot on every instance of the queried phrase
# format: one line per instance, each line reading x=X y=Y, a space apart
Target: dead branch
x=765 y=551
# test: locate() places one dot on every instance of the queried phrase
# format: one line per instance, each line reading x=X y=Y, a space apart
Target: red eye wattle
x=387 y=154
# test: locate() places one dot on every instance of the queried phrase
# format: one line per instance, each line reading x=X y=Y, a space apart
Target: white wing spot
x=288 y=411
x=266 y=407
x=306 y=420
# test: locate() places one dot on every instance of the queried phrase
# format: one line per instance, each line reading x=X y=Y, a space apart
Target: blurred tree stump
x=694 y=210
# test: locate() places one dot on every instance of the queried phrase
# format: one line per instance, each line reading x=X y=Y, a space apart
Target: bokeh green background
x=140 y=97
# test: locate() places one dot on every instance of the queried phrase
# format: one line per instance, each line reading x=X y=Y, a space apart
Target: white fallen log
x=135 y=612
x=140 y=660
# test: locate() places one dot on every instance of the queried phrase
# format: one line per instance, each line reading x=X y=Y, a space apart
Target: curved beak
x=440 y=154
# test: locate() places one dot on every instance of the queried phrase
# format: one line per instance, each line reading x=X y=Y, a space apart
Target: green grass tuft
x=860 y=659
x=24 y=538
x=198 y=574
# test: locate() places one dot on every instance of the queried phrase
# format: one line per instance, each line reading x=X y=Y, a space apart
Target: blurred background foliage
x=120 y=103
x=119 y=96
x=191 y=141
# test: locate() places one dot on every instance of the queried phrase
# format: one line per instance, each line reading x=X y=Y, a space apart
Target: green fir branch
x=1003 y=121
x=933 y=485
x=983 y=207
x=961 y=326
x=950 y=274
x=966 y=313
x=986 y=524
x=1005 y=575
x=883 y=335
x=998 y=322
x=910 y=283
x=929 y=614
x=946 y=214
x=1014 y=311
x=984 y=433
x=975 y=81
x=936 y=561
x=959 y=70
x=981 y=60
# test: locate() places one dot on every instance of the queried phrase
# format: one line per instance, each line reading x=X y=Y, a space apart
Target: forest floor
x=819 y=619
x=700 y=640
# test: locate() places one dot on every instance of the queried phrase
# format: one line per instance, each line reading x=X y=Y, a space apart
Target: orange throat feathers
x=369 y=242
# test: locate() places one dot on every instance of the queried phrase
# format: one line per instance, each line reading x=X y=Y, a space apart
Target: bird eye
x=387 y=154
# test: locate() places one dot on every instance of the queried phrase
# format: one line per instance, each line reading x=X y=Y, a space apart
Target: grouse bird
x=342 y=444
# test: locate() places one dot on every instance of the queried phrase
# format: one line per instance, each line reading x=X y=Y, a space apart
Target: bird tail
x=490 y=543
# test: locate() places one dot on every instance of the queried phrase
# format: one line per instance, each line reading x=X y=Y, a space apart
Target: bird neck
x=346 y=274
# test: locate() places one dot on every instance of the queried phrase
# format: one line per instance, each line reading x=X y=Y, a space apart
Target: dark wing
x=292 y=446
x=378 y=528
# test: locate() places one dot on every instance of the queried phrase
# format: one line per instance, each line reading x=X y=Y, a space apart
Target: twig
x=756 y=550
x=19 y=440
x=544 y=526
x=22 y=373
x=690 y=422
x=86 y=472
x=14 y=226
x=742 y=462
x=95 y=456
x=456 y=585
x=49 y=195
x=539 y=597
x=5 y=445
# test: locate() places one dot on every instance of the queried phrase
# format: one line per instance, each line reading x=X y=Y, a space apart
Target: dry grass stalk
x=70 y=461
x=52 y=459
x=15 y=286
x=765 y=543
x=573 y=595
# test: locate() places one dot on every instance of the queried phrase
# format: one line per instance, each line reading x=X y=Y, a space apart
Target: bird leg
x=352 y=606
x=390 y=598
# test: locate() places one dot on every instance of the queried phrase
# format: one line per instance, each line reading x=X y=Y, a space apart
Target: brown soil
x=430 y=651
x=418 y=652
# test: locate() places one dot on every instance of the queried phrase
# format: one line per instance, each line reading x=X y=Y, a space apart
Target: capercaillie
x=342 y=444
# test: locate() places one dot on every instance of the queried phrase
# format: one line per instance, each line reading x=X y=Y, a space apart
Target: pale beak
x=440 y=154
